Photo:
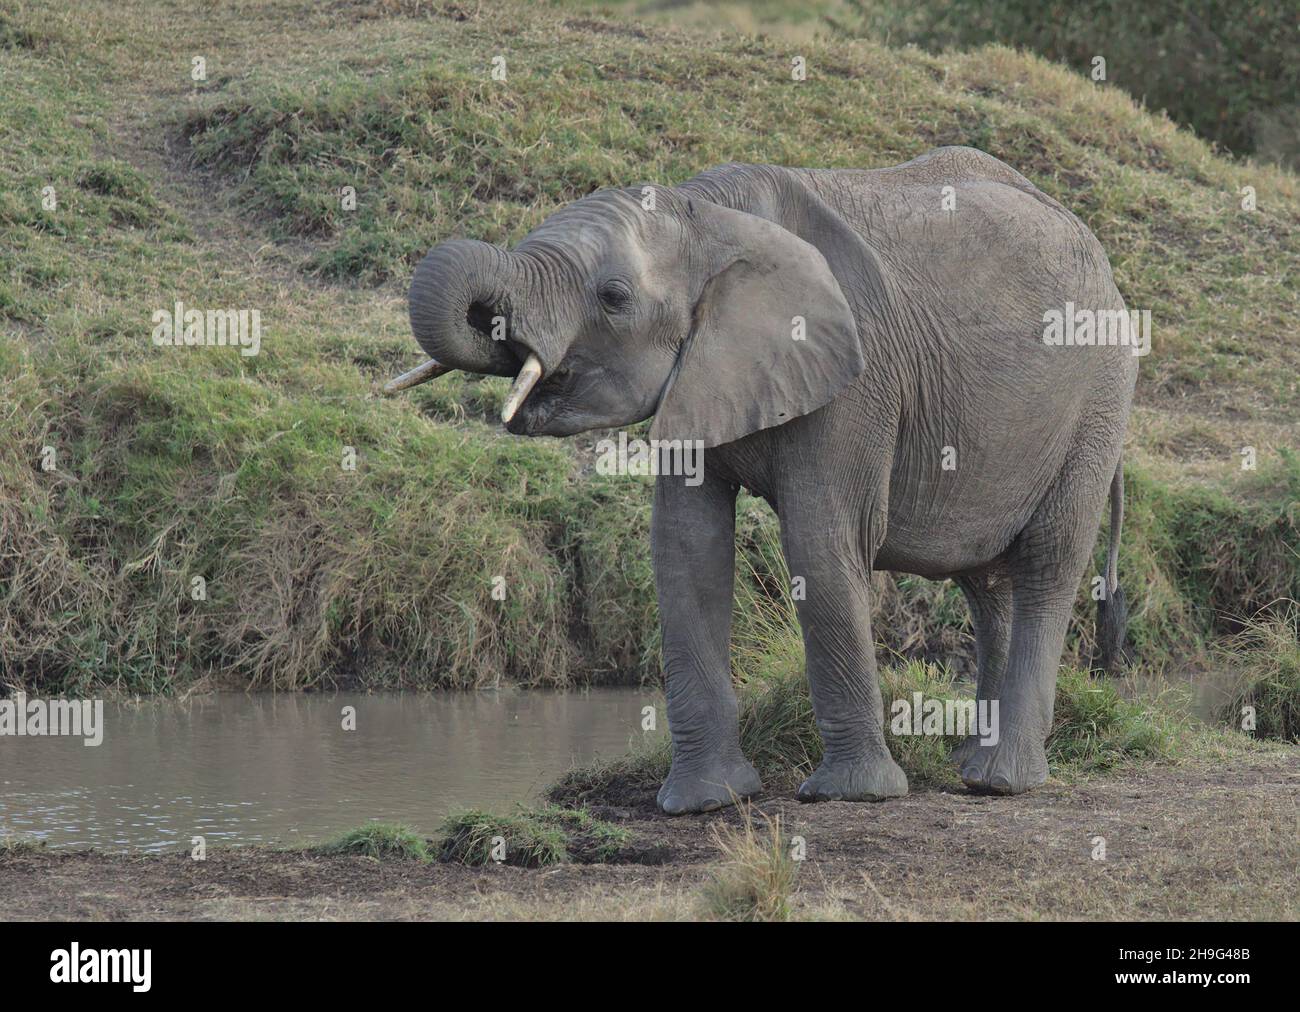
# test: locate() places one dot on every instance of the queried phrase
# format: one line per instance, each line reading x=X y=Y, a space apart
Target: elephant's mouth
x=483 y=319
x=540 y=406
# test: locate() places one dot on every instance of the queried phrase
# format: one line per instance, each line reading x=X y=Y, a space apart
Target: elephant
x=864 y=349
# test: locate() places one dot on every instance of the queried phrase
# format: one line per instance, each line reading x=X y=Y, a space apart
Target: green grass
x=1095 y=729
x=1266 y=657
x=1201 y=559
x=177 y=463
x=12 y=845
x=530 y=837
x=380 y=840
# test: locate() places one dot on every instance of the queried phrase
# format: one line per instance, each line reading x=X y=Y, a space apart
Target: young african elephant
x=866 y=350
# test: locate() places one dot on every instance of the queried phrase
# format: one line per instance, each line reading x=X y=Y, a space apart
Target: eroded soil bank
x=1192 y=841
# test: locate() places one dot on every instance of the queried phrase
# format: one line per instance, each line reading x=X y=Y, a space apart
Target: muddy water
x=240 y=769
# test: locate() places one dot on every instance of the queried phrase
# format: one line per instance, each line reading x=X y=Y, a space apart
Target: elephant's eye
x=615 y=295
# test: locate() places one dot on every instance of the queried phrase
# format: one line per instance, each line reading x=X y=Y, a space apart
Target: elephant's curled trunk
x=457 y=293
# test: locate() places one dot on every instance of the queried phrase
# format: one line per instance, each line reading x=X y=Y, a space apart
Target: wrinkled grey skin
x=924 y=331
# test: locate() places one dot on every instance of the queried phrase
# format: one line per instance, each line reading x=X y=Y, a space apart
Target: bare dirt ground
x=1192 y=841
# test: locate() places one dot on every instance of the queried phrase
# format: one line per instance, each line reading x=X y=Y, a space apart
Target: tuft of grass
x=531 y=837
x=383 y=841
x=12 y=845
x=631 y=778
x=756 y=876
x=1266 y=654
x=778 y=732
x=1095 y=729
x=923 y=757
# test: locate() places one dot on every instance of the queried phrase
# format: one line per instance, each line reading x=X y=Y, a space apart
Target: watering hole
x=242 y=769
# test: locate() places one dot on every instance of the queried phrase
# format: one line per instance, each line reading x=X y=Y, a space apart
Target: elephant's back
x=960 y=211
x=947 y=166
x=976 y=258
x=974 y=273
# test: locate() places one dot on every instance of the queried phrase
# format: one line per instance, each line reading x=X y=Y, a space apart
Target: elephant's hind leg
x=1047 y=560
x=835 y=616
x=988 y=593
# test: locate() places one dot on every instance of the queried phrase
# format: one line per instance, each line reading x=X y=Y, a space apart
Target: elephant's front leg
x=835 y=614
x=693 y=535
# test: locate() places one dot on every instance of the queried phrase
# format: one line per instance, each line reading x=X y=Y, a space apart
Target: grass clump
x=1267 y=655
x=778 y=731
x=379 y=840
x=1095 y=729
x=630 y=778
x=923 y=757
x=756 y=877
x=531 y=837
x=12 y=845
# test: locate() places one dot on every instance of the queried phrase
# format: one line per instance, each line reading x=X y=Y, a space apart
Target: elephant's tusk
x=524 y=383
x=420 y=374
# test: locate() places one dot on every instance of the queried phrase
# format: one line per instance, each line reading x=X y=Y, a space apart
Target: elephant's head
x=718 y=322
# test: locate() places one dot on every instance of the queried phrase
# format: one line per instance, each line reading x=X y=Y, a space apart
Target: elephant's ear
x=772 y=336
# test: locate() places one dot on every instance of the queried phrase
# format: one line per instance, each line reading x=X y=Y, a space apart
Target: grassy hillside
x=1225 y=69
x=172 y=463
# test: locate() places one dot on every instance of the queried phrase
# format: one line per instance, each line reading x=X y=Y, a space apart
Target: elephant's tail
x=1112 y=609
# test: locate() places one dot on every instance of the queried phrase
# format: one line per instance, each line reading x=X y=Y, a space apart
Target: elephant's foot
x=1014 y=765
x=872 y=779
x=707 y=786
